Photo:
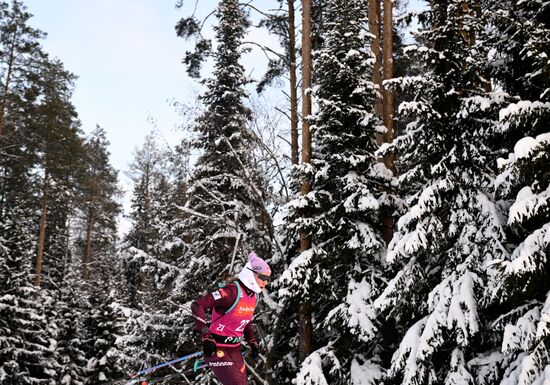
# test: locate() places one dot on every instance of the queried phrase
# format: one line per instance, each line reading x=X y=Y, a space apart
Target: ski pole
x=148 y=370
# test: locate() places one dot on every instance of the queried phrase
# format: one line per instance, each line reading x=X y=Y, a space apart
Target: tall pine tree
x=227 y=195
x=453 y=228
x=98 y=206
x=343 y=270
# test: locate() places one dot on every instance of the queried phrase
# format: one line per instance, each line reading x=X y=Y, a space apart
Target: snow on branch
x=368 y=373
x=530 y=255
x=528 y=205
x=298 y=274
x=405 y=357
x=514 y=112
x=360 y=311
x=311 y=371
x=521 y=335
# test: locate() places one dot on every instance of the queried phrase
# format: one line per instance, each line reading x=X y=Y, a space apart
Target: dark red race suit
x=230 y=321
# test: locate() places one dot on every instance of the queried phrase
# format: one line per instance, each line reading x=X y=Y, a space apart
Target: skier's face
x=262 y=279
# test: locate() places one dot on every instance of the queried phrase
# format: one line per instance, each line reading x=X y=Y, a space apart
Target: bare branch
x=267 y=49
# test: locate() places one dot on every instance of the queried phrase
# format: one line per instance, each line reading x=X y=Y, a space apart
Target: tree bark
x=89 y=230
x=388 y=74
x=5 y=90
x=388 y=221
x=374 y=29
x=294 y=151
x=305 y=328
x=88 y=248
x=469 y=36
x=293 y=83
x=269 y=358
x=42 y=233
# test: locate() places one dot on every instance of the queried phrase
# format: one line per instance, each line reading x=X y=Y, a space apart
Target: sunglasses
x=263 y=277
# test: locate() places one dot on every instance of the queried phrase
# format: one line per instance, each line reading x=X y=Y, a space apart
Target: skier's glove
x=208 y=346
x=254 y=350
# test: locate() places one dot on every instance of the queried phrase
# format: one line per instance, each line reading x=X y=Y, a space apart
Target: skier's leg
x=228 y=366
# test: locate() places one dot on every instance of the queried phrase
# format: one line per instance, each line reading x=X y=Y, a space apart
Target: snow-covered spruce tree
x=164 y=214
x=71 y=348
x=172 y=244
x=27 y=334
x=519 y=35
x=103 y=319
x=521 y=292
x=145 y=172
x=151 y=330
x=227 y=194
x=57 y=249
x=79 y=354
x=343 y=270
x=153 y=324
x=522 y=286
x=144 y=234
x=453 y=228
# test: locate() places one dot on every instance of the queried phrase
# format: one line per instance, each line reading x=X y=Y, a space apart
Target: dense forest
x=401 y=197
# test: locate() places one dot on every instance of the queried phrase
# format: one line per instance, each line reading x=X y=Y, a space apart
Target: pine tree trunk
x=474 y=10
x=89 y=230
x=293 y=83
x=5 y=89
x=469 y=36
x=388 y=74
x=294 y=151
x=88 y=248
x=305 y=328
x=142 y=278
x=147 y=210
x=374 y=29
x=42 y=233
x=388 y=107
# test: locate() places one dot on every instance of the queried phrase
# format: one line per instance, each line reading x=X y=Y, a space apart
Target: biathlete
x=231 y=319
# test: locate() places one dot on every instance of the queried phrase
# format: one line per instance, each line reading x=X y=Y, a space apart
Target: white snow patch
x=367 y=374
x=522 y=106
x=521 y=336
x=524 y=146
x=526 y=257
x=360 y=311
x=543 y=329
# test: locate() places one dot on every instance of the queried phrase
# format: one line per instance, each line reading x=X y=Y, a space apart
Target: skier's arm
x=251 y=341
x=222 y=298
x=249 y=336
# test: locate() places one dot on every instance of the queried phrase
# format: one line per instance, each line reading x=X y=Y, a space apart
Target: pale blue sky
x=128 y=60
x=127 y=57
